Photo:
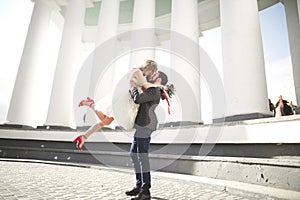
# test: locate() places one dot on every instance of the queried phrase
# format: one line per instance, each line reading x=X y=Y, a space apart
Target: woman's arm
x=140 y=78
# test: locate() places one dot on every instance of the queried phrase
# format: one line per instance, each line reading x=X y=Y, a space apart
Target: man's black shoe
x=142 y=196
x=135 y=191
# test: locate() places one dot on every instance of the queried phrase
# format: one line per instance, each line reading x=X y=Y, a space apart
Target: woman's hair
x=149 y=65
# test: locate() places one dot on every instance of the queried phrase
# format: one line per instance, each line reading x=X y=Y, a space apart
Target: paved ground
x=27 y=180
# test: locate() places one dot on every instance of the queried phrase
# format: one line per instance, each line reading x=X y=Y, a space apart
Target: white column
x=60 y=111
x=102 y=76
x=143 y=33
x=24 y=107
x=107 y=29
x=293 y=26
x=243 y=60
x=108 y=20
x=298 y=4
x=185 y=63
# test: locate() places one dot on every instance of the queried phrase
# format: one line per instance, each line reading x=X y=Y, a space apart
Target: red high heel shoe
x=79 y=141
x=90 y=100
x=87 y=100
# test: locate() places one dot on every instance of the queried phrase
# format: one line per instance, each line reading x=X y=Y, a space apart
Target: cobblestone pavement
x=27 y=180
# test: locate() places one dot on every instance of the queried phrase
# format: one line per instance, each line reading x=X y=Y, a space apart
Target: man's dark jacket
x=148 y=101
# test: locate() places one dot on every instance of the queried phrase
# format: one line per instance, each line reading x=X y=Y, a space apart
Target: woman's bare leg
x=106 y=121
x=91 y=105
x=100 y=115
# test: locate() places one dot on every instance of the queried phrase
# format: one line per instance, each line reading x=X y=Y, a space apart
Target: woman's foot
x=80 y=141
x=87 y=102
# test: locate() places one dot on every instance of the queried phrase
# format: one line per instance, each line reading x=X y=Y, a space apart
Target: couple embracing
x=147 y=87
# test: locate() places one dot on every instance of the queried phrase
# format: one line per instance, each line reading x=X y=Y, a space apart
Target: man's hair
x=164 y=77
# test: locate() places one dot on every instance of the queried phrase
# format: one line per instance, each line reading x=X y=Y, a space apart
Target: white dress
x=119 y=104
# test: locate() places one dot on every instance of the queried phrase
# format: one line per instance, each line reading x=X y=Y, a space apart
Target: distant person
x=283 y=107
x=293 y=107
x=272 y=108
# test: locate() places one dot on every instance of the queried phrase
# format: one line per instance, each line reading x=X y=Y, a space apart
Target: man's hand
x=133 y=93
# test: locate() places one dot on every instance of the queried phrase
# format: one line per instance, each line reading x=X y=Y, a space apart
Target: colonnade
x=245 y=85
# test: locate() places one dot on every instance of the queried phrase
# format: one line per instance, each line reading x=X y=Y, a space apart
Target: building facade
x=139 y=29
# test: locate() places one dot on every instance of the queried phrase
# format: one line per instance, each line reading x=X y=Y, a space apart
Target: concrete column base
x=16 y=126
x=242 y=117
x=180 y=123
x=59 y=128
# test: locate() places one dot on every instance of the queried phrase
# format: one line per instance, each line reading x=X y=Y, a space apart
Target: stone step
x=278 y=171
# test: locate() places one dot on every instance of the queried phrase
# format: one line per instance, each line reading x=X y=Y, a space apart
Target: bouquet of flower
x=170 y=89
x=167 y=92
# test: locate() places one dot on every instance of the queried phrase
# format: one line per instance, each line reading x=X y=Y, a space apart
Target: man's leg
x=137 y=169
x=135 y=162
x=143 y=145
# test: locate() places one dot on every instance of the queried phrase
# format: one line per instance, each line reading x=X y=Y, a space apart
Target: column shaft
x=243 y=60
x=60 y=111
x=186 y=67
x=102 y=77
x=24 y=107
x=108 y=21
x=294 y=41
x=298 y=4
x=143 y=33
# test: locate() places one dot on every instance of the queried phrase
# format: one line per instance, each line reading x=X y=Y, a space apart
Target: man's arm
x=151 y=94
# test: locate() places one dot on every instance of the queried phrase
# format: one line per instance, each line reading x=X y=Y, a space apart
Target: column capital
x=56 y=5
x=50 y=3
x=89 y=3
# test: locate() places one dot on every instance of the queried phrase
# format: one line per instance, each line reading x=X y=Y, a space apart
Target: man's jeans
x=139 y=152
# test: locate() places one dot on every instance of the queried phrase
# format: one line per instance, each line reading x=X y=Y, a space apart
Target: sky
x=15 y=17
